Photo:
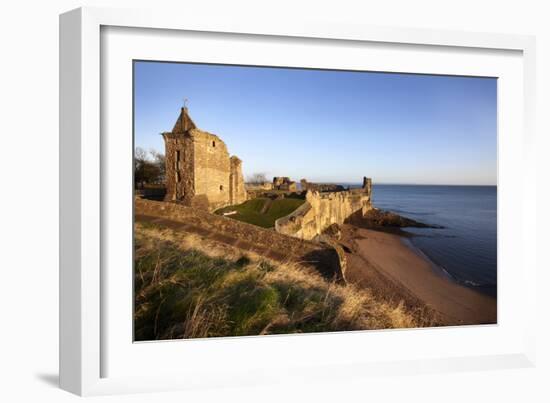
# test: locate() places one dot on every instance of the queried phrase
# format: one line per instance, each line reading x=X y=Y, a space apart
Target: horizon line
x=413 y=184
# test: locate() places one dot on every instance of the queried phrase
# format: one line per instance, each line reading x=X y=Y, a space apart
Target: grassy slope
x=187 y=287
x=251 y=210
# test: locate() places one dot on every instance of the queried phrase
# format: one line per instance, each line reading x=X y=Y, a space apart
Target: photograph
x=270 y=202
x=286 y=200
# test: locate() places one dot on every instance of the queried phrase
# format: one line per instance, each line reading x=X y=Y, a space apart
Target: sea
x=465 y=249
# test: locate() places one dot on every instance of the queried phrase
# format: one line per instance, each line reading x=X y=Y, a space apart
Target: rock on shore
x=378 y=219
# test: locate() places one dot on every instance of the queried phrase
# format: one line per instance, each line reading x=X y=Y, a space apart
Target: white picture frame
x=88 y=313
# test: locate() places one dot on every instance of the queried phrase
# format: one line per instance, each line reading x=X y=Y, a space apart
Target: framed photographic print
x=242 y=201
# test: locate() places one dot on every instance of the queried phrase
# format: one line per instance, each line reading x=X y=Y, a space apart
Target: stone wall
x=321 y=187
x=279 y=180
x=284 y=183
x=322 y=209
x=237 y=191
x=212 y=169
x=179 y=155
x=259 y=186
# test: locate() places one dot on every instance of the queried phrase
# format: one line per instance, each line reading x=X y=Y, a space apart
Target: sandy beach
x=389 y=265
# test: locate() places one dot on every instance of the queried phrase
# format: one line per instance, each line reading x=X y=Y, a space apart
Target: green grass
x=183 y=289
x=251 y=210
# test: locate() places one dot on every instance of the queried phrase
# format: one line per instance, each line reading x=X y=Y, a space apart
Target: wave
x=471 y=283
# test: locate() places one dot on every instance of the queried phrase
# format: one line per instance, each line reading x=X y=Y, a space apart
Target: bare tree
x=160 y=161
x=147 y=170
x=257 y=178
x=140 y=155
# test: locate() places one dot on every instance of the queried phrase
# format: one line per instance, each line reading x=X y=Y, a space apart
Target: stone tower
x=199 y=171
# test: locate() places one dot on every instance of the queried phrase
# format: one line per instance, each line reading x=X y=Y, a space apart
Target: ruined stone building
x=321 y=187
x=199 y=170
x=259 y=186
x=284 y=183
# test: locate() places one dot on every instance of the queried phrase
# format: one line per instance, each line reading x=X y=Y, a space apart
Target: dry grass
x=188 y=287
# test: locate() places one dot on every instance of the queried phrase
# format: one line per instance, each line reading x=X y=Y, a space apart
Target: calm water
x=467 y=247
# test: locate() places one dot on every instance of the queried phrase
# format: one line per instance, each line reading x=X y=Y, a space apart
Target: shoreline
x=438 y=269
x=396 y=269
x=489 y=290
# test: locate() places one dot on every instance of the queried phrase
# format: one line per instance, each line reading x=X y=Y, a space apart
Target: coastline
x=394 y=268
x=487 y=290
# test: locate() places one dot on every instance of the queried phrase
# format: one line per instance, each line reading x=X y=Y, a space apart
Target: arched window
x=213 y=144
x=221 y=188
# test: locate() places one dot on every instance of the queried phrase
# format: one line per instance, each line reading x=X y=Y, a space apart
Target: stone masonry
x=284 y=183
x=320 y=187
x=322 y=209
x=199 y=171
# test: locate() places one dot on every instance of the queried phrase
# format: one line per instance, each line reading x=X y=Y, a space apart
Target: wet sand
x=388 y=261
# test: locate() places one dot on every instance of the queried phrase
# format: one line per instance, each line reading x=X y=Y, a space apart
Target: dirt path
x=379 y=255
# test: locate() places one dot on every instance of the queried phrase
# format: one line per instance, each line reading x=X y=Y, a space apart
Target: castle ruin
x=322 y=209
x=284 y=183
x=199 y=171
x=320 y=187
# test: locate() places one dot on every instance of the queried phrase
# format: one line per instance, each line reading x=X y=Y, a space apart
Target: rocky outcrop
x=387 y=221
x=323 y=209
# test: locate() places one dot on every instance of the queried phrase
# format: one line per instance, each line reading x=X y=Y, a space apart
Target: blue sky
x=330 y=126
